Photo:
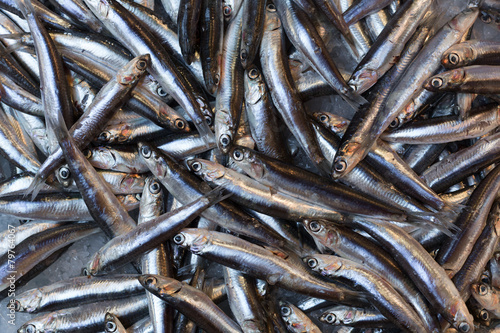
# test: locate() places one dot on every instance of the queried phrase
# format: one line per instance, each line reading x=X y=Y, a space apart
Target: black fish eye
x=453 y=58
x=208 y=120
x=437 y=82
x=104 y=136
x=161 y=92
x=314 y=226
x=150 y=280
x=340 y=165
x=253 y=74
x=17 y=305
x=394 y=123
x=323 y=118
x=216 y=79
x=30 y=328
x=483 y=290
x=225 y=140
x=312 y=262
x=485 y=315
x=179 y=238
x=154 y=187
x=196 y=166
x=485 y=17
x=243 y=55
x=87 y=153
x=227 y=10
x=271 y=7
x=180 y=124
x=285 y=311
x=141 y=65
x=238 y=155
x=464 y=327
x=64 y=173
x=110 y=326
x=146 y=151
x=330 y=318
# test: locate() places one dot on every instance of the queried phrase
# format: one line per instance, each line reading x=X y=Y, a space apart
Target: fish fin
x=205 y=133
x=35 y=187
x=217 y=195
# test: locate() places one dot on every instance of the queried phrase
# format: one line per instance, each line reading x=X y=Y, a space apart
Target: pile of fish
x=261 y=166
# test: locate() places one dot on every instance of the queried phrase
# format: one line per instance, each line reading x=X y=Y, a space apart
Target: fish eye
x=323 y=118
x=154 y=187
x=394 y=123
x=146 y=151
x=485 y=17
x=104 y=136
x=208 y=120
x=87 y=153
x=271 y=7
x=196 y=166
x=85 y=272
x=312 y=262
x=216 y=79
x=485 y=278
x=484 y=315
x=340 y=165
x=180 y=124
x=238 y=155
x=253 y=73
x=453 y=58
x=138 y=196
x=243 y=54
x=64 y=173
x=227 y=10
x=483 y=289
x=286 y=311
x=161 y=92
x=330 y=318
x=353 y=87
x=436 y=82
x=464 y=327
x=141 y=65
x=110 y=326
x=150 y=280
x=225 y=140
x=179 y=239
x=30 y=328
x=314 y=226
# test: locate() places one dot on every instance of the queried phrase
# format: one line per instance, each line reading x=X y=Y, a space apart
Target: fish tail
x=355 y=100
x=434 y=220
x=205 y=133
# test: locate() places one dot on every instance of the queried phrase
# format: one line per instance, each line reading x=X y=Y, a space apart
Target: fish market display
x=254 y=166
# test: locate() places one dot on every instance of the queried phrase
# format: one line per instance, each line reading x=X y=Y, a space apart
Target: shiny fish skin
x=277 y=268
x=190 y=302
x=363 y=8
x=78 y=290
x=113 y=324
x=296 y=320
x=480 y=79
x=387 y=300
x=87 y=318
x=355 y=317
x=471 y=52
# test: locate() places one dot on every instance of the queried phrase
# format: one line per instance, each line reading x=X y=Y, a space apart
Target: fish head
x=484 y=295
x=160 y=285
x=272 y=20
x=47 y=323
x=333 y=122
x=248 y=160
x=348 y=156
x=362 y=80
x=461 y=319
x=194 y=239
x=323 y=263
x=151 y=199
x=225 y=128
x=29 y=301
x=255 y=87
x=339 y=315
x=445 y=81
x=319 y=231
x=130 y=74
x=207 y=170
x=458 y=55
x=464 y=20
